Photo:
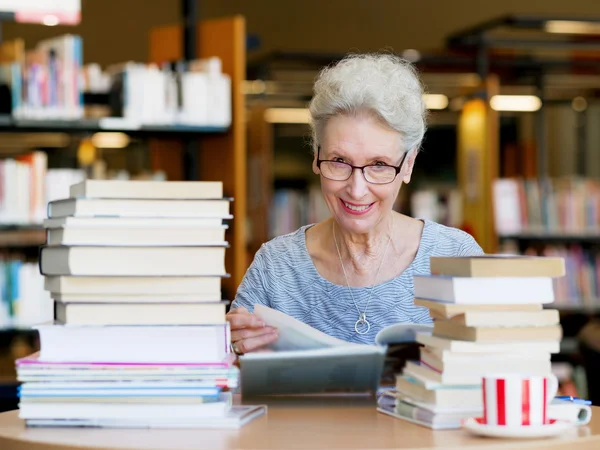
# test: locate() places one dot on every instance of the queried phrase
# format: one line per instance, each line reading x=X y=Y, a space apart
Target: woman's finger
x=254 y=343
x=243 y=320
x=246 y=333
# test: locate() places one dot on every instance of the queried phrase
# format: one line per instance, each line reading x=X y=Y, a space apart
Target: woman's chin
x=356 y=225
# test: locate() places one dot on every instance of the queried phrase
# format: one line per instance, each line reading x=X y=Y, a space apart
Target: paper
x=402 y=333
x=293 y=334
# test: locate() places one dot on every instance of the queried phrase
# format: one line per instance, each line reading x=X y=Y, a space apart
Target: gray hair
x=384 y=85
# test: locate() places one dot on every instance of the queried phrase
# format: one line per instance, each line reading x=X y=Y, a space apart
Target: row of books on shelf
x=27 y=185
x=48 y=83
x=293 y=208
x=24 y=301
x=580 y=287
x=568 y=205
x=43 y=82
x=152 y=271
x=442 y=205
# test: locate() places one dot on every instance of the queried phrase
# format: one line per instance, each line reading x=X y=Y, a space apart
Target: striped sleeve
x=253 y=288
x=469 y=247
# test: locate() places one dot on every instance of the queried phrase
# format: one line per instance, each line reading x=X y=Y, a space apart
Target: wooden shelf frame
x=216 y=157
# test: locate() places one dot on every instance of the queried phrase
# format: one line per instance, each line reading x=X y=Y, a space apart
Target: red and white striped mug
x=517 y=399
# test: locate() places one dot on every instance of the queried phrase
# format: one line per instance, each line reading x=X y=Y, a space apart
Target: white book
x=86 y=207
x=484 y=290
x=124 y=411
x=488 y=347
x=135 y=222
x=132 y=261
x=142 y=236
x=134 y=344
x=197 y=313
x=143 y=189
x=236 y=417
x=214 y=297
x=160 y=287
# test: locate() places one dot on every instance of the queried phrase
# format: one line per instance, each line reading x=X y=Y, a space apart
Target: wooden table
x=289 y=424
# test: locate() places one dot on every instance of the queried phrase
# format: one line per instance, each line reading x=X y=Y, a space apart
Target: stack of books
x=488 y=318
x=140 y=337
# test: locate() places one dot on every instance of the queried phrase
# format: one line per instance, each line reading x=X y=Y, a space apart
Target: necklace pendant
x=362 y=325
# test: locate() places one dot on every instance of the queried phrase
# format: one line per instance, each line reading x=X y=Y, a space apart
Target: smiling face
x=357 y=205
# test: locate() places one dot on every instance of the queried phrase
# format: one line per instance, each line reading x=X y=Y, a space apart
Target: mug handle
x=552 y=387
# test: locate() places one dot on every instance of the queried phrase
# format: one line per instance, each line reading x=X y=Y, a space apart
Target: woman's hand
x=248 y=332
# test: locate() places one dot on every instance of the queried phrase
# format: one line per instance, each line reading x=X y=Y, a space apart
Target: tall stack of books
x=488 y=318
x=140 y=337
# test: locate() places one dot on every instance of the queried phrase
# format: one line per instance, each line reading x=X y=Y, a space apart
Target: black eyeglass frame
x=398 y=168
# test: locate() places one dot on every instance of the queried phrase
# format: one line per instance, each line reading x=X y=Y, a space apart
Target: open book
x=305 y=360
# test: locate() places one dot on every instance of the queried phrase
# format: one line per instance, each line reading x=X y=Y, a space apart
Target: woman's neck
x=362 y=254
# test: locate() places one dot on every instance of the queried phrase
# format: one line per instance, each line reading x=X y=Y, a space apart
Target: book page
x=293 y=334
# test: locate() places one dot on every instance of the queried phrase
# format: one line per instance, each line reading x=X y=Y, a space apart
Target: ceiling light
x=579 y=104
x=515 y=103
x=110 y=140
x=435 y=101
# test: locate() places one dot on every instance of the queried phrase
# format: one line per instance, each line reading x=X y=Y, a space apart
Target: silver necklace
x=362 y=325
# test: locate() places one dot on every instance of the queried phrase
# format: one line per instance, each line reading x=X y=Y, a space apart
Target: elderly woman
x=352 y=274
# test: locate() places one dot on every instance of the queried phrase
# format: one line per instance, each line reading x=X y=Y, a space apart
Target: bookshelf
x=181 y=152
x=20 y=236
x=87 y=126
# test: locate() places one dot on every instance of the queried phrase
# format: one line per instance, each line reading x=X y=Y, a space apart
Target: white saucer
x=554 y=428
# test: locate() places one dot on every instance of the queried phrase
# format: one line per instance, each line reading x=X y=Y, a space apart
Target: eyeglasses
x=373 y=173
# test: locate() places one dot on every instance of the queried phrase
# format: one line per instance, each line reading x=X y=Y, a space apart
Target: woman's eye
x=380 y=163
x=338 y=159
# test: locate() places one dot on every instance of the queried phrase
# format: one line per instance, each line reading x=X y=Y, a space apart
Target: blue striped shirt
x=283 y=277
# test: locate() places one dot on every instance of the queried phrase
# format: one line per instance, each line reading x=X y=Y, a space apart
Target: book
x=541 y=318
x=305 y=360
x=140 y=313
x=95 y=207
x=498 y=266
x=140 y=285
x=447 y=310
x=236 y=417
x=135 y=222
x=123 y=411
x=440 y=395
x=132 y=261
x=391 y=404
x=549 y=346
x=465 y=363
x=134 y=344
x=107 y=299
x=485 y=290
x=452 y=330
x=137 y=236
x=121 y=189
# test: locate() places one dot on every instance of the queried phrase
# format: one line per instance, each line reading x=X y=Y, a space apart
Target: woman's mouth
x=353 y=208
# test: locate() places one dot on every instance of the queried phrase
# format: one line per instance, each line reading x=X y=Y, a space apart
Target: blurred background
x=207 y=89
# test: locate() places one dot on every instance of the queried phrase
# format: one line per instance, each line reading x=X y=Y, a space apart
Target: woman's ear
x=408 y=166
x=315 y=169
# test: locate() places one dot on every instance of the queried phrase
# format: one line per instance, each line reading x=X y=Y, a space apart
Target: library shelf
x=21 y=235
x=85 y=126
x=583 y=236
